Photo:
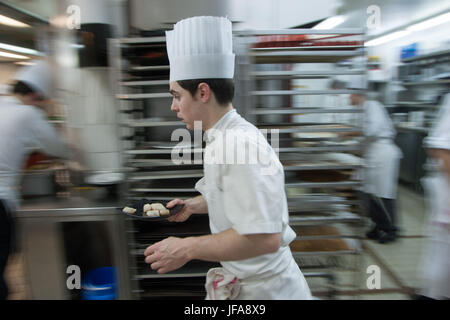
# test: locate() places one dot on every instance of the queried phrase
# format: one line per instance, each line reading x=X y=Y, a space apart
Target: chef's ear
x=204 y=92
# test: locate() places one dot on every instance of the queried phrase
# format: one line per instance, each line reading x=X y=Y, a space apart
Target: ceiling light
x=25 y=63
x=330 y=23
x=9 y=47
x=430 y=22
x=387 y=38
x=12 y=22
x=12 y=55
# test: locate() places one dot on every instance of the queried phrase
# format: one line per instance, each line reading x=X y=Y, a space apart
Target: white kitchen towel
x=221 y=285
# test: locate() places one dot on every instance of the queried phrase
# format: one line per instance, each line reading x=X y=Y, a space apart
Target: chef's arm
x=231 y=246
x=172 y=253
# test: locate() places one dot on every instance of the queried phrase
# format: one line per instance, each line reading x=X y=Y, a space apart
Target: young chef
x=247 y=205
x=23 y=128
x=383 y=161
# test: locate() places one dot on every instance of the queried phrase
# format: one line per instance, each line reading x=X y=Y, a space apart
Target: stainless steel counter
x=54 y=233
x=64 y=207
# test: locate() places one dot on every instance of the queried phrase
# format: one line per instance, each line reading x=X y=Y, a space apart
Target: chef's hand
x=167 y=255
x=183 y=214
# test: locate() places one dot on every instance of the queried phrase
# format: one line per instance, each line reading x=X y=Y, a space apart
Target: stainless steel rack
x=268 y=73
x=145 y=118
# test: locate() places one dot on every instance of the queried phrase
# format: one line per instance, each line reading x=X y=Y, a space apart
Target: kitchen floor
x=399 y=262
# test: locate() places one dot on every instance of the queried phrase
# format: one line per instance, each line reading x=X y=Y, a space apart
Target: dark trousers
x=382 y=212
x=6 y=229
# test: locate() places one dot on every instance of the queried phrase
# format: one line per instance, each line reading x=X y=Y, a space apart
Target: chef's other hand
x=167 y=255
x=183 y=214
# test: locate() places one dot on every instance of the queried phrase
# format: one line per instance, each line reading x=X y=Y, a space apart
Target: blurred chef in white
x=382 y=163
x=23 y=129
x=436 y=261
x=247 y=209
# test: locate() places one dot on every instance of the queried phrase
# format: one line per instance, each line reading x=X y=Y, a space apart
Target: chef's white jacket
x=381 y=154
x=23 y=129
x=247 y=198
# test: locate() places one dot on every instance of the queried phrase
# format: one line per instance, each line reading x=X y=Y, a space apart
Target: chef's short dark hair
x=223 y=89
x=23 y=89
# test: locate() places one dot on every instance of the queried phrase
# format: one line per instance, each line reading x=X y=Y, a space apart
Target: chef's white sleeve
x=439 y=137
x=45 y=137
x=252 y=200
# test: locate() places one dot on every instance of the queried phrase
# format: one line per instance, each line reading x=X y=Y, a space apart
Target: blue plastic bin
x=99 y=284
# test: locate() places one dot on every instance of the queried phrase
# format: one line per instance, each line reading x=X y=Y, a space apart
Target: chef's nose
x=174 y=106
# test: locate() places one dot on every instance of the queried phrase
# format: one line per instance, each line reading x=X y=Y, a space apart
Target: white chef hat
x=37 y=77
x=201 y=48
x=358 y=82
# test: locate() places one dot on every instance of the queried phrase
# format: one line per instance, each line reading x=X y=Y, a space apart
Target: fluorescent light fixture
x=12 y=22
x=430 y=22
x=386 y=38
x=25 y=63
x=12 y=55
x=23 y=50
x=330 y=23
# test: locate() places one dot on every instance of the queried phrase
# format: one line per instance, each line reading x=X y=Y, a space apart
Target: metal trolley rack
x=320 y=168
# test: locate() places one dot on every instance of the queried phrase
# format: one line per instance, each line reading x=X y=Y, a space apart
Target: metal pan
x=139 y=214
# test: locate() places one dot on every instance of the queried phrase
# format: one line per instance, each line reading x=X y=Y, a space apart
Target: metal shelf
x=337 y=148
x=260 y=75
x=324 y=253
x=139 y=96
x=301 y=92
x=148 y=190
x=322 y=167
x=341 y=31
x=145 y=83
x=140 y=40
x=142 y=163
x=339 y=184
x=298 y=128
x=145 y=123
x=308 y=47
x=157 y=151
x=433 y=55
x=175 y=174
x=299 y=111
x=326 y=56
x=427 y=82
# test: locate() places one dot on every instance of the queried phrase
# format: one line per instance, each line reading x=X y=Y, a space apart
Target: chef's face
x=187 y=107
